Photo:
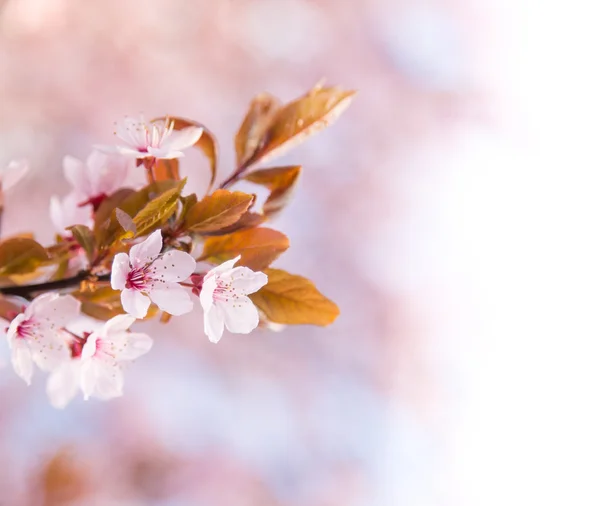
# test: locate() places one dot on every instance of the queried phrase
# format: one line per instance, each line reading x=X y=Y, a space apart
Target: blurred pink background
x=427 y=212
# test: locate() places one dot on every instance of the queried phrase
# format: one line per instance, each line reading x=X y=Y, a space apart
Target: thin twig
x=27 y=290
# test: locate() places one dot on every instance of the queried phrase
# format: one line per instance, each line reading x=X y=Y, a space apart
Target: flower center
x=95 y=201
x=137 y=278
x=26 y=329
x=224 y=292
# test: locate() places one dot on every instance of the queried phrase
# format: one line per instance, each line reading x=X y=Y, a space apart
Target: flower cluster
x=127 y=249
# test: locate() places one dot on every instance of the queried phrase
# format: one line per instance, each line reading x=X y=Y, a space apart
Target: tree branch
x=27 y=290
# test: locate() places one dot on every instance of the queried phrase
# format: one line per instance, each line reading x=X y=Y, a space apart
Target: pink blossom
x=152 y=139
x=104 y=354
x=67 y=211
x=225 y=302
x=100 y=176
x=12 y=174
x=35 y=335
x=146 y=275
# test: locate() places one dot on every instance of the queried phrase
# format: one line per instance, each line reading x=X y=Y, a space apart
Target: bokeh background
x=452 y=212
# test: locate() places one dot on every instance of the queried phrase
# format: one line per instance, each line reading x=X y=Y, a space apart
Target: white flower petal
x=58 y=310
x=101 y=379
x=130 y=345
x=174 y=265
x=89 y=348
x=171 y=298
x=182 y=139
x=107 y=173
x=120 y=270
x=50 y=350
x=135 y=303
x=63 y=383
x=117 y=324
x=146 y=251
x=22 y=361
x=214 y=324
x=11 y=333
x=164 y=154
x=75 y=173
x=206 y=293
x=245 y=280
x=241 y=315
x=224 y=267
x=13 y=173
x=67 y=212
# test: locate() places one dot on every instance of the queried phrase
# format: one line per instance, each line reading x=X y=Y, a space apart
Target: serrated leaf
x=217 y=211
x=293 y=300
x=156 y=212
x=257 y=246
x=251 y=132
x=296 y=121
x=281 y=181
x=20 y=255
x=207 y=143
x=85 y=238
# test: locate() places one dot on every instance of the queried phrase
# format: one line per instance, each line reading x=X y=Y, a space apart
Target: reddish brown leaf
x=207 y=143
x=299 y=119
x=248 y=220
x=251 y=132
x=281 y=181
x=293 y=300
x=219 y=210
x=166 y=169
x=257 y=246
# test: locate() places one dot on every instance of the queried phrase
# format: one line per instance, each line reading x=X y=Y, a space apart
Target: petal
x=163 y=153
x=171 y=298
x=241 y=316
x=135 y=303
x=22 y=362
x=50 y=350
x=146 y=251
x=119 y=272
x=63 y=383
x=76 y=174
x=101 y=379
x=182 y=139
x=174 y=265
x=11 y=333
x=214 y=324
x=58 y=310
x=117 y=324
x=13 y=173
x=224 y=267
x=206 y=294
x=246 y=280
x=130 y=345
x=67 y=212
x=107 y=173
x=89 y=348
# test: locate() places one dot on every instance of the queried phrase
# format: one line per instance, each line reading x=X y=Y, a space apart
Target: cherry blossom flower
x=100 y=176
x=152 y=139
x=146 y=275
x=12 y=174
x=34 y=336
x=104 y=354
x=67 y=211
x=225 y=302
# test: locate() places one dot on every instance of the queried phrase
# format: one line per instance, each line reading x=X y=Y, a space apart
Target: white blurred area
x=502 y=262
x=464 y=369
